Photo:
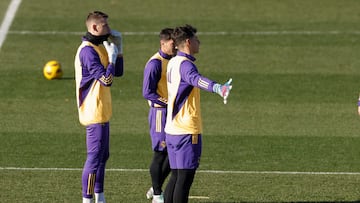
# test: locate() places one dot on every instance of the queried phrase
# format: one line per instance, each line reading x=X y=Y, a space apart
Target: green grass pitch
x=293 y=108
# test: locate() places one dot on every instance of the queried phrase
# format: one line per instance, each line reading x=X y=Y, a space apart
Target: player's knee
x=186 y=177
x=93 y=160
x=159 y=156
x=106 y=157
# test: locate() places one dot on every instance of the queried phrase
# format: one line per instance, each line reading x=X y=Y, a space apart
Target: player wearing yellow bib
x=183 y=123
x=155 y=92
x=97 y=62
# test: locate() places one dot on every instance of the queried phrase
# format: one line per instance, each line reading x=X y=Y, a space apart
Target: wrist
x=217 y=88
x=111 y=64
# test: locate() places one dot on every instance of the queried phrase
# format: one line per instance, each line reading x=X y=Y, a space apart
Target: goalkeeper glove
x=223 y=90
x=116 y=38
x=111 y=50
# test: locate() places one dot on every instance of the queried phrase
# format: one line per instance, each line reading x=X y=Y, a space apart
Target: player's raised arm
x=116 y=38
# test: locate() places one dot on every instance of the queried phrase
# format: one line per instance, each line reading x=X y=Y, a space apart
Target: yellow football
x=52 y=70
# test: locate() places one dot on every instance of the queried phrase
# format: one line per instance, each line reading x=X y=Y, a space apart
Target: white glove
x=111 y=50
x=116 y=38
x=223 y=90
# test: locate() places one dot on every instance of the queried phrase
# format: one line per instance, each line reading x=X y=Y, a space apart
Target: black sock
x=169 y=191
x=184 y=181
x=159 y=170
x=165 y=170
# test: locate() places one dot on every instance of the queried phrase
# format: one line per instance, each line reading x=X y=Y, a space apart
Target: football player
x=97 y=62
x=183 y=124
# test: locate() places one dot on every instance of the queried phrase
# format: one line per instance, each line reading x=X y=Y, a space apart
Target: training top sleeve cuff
x=217 y=88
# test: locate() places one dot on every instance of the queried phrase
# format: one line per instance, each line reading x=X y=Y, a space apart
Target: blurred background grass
x=292 y=108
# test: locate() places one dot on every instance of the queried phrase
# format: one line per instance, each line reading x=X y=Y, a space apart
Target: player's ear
x=187 y=42
x=162 y=42
x=94 y=27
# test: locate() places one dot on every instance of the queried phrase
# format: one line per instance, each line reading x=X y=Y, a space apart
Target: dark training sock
x=182 y=188
x=156 y=171
x=169 y=191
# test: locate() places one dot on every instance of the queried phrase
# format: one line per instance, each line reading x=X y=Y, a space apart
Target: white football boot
x=87 y=200
x=158 y=199
x=150 y=193
x=99 y=198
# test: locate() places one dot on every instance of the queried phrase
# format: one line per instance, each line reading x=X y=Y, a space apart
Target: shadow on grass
x=67 y=78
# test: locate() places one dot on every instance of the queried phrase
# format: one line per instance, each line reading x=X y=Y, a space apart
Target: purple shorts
x=184 y=151
x=157 y=119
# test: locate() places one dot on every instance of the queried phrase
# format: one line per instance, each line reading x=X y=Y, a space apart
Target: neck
x=187 y=52
x=95 y=39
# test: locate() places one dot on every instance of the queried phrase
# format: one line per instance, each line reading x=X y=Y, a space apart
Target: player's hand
x=116 y=38
x=223 y=90
x=111 y=50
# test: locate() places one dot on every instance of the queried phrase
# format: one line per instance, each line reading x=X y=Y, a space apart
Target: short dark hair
x=96 y=15
x=166 y=34
x=182 y=33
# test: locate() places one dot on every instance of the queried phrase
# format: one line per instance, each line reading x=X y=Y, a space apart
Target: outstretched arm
x=191 y=75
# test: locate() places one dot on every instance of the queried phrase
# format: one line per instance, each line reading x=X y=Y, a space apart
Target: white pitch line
x=198 y=171
x=280 y=32
x=9 y=16
x=39 y=169
x=198 y=197
x=280 y=172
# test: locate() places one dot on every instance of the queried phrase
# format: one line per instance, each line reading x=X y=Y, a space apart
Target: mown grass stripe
x=199 y=171
x=274 y=32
